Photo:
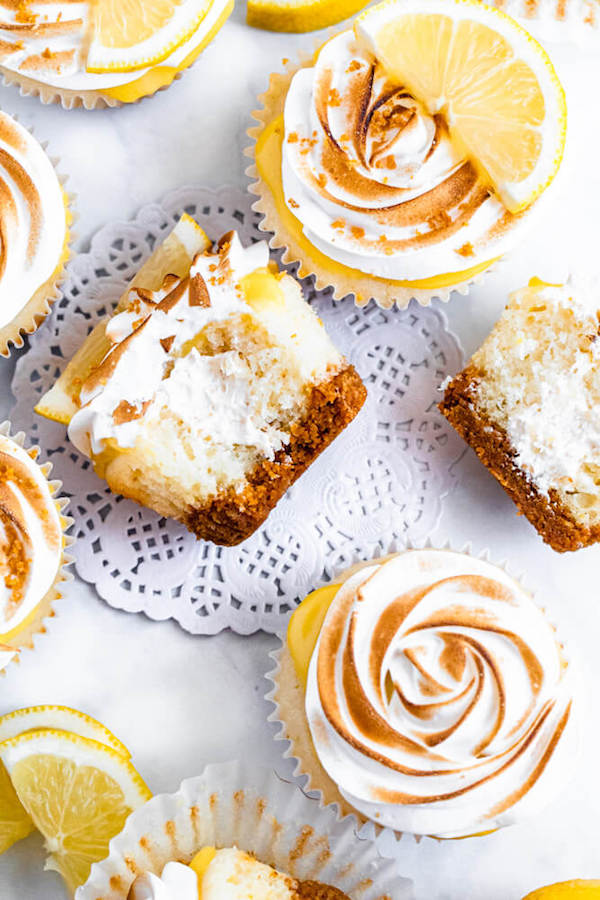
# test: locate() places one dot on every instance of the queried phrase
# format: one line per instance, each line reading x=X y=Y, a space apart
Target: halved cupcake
x=210 y=390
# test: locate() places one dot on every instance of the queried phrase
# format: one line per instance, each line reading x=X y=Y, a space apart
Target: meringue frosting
x=219 y=358
x=438 y=698
x=375 y=180
x=33 y=218
x=46 y=40
x=30 y=539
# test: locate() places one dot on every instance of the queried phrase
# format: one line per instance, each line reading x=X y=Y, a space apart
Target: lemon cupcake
x=240 y=831
x=428 y=693
x=372 y=165
x=104 y=53
x=32 y=544
x=34 y=221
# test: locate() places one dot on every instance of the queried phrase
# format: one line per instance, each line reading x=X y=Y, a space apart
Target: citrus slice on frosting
x=492 y=82
x=300 y=15
x=134 y=34
x=568 y=890
x=76 y=791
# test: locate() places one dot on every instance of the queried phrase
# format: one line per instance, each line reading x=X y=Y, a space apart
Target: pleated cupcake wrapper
x=287 y=695
x=235 y=804
x=363 y=287
x=39 y=306
x=572 y=21
x=27 y=637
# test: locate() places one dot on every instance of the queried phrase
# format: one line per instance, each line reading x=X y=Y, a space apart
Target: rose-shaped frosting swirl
x=33 y=221
x=375 y=181
x=438 y=698
x=30 y=536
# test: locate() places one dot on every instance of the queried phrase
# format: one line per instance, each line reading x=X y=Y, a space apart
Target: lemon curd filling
x=269 y=162
x=305 y=625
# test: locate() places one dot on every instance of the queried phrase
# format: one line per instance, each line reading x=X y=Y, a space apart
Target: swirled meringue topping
x=30 y=536
x=47 y=40
x=32 y=218
x=438 y=698
x=375 y=181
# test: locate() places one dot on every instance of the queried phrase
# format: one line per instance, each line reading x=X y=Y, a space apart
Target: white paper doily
x=383 y=479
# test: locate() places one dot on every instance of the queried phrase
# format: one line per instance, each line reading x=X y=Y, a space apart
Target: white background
x=179 y=701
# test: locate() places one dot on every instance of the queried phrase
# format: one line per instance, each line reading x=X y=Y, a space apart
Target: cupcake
x=32 y=544
x=103 y=54
x=528 y=404
x=210 y=392
x=35 y=221
x=372 y=169
x=241 y=832
x=426 y=692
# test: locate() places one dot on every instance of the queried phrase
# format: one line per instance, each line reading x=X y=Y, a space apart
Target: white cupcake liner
x=28 y=320
x=322 y=786
x=569 y=22
x=234 y=804
x=27 y=637
x=386 y=293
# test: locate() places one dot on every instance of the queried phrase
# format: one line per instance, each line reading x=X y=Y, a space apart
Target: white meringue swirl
x=376 y=182
x=438 y=698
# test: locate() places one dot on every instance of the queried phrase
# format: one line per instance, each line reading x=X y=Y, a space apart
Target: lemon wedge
x=61 y=718
x=300 y=15
x=492 y=82
x=134 y=34
x=14 y=821
x=568 y=890
x=76 y=791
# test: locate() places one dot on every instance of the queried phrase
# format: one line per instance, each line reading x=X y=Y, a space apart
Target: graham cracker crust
x=548 y=514
x=230 y=518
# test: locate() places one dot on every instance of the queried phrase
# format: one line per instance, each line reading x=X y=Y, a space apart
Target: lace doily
x=383 y=479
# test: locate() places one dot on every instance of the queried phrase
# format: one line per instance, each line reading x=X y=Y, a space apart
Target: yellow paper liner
x=36 y=623
x=30 y=317
x=362 y=286
x=287 y=695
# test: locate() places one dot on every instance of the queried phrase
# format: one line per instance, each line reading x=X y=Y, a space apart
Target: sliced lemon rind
x=58 y=718
x=82 y=752
x=515 y=196
x=102 y=60
x=294 y=17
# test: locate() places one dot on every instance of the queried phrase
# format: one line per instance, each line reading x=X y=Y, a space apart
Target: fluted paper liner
x=38 y=307
x=287 y=695
x=363 y=287
x=238 y=805
x=571 y=21
x=26 y=637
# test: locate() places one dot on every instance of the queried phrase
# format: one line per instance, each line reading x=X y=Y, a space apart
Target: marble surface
x=179 y=701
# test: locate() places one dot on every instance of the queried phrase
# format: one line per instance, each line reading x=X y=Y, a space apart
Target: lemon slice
x=300 y=15
x=134 y=34
x=175 y=255
x=78 y=793
x=568 y=890
x=14 y=821
x=62 y=718
x=493 y=83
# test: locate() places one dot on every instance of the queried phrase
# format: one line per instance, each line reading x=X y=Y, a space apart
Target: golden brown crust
x=548 y=515
x=230 y=518
x=316 y=890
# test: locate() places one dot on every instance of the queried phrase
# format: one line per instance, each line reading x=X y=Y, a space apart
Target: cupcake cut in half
x=211 y=388
x=103 y=52
x=32 y=545
x=227 y=874
x=391 y=172
x=34 y=221
x=428 y=693
x=528 y=403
